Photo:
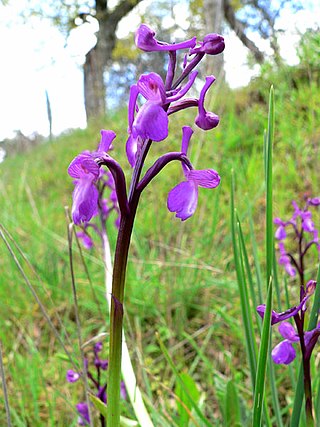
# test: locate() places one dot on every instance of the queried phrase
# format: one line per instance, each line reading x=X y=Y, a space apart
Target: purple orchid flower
x=151 y=121
x=146 y=41
x=284 y=352
x=83 y=411
x=86 y=172
x=72 y=376
x=279 y=317
x=206 y=120
x=183 y=198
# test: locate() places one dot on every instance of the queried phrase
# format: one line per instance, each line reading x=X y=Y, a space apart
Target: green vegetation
x=181 y=278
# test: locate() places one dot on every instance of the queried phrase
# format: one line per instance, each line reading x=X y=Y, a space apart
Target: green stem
x=118 y=283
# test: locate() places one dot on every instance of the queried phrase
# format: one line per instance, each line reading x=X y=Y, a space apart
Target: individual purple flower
x=151 y=121
x=206 y=120
x=145 y=40
x=280 y=233
x=284 y=352
x=212 y=44
x=279 y=317
x=183 y=198
x=83 y=411
x=72 y=376
x=307 y=223
x=315 y=201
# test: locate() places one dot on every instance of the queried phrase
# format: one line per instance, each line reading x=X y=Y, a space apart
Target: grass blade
x=183 y=386
x=4 y=388
x=262 y=361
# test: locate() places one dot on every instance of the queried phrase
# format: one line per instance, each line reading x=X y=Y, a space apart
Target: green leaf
x=232 y=405
x=102 y=408
x=262 y=361
x=184 y=415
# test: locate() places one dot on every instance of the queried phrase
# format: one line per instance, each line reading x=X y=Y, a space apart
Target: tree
x=64 y=15
x=245 y=17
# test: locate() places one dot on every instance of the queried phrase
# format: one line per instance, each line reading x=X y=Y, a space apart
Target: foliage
x=197 y=308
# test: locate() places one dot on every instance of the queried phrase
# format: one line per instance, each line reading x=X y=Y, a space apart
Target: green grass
x=181 y=277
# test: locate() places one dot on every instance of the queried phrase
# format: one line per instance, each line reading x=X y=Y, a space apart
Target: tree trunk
x=94 y=86
x=213 y=13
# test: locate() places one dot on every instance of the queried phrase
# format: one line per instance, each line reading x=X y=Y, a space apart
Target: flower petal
x=207 y=178
x=107 y=136
x=151 y=122
x=183 y=199
x=85 y=201
x=131 y=150
x=152 y=88
x=283 y=353
x=288 y=332
x=82 y=165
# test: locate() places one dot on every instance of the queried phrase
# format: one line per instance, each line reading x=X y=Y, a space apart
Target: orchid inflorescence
x=305 y=233
x=97 y=380
x=305 y=236
x=147 y=123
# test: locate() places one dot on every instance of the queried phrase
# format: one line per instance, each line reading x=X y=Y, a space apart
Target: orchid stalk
x=306 y=236
x=147 y=124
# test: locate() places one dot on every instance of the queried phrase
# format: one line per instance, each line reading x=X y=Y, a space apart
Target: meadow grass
x=181 y=281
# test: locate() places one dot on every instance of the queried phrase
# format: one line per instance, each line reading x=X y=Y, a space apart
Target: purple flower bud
x=72 y=376
x=212 y=44
x=146 y=41
x=102 y=395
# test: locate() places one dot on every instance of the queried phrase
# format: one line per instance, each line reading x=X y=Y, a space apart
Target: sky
x=36 y=58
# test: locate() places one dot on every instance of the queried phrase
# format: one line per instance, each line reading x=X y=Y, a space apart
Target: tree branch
x=239 y=28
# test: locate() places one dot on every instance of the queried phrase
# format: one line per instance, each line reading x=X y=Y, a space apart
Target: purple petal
x=107 y=136
x=207 y=178
x=83 y=410
x=152 y=88
x=315 y=201
x=307 y=223
x=72 y=376
x=151 y=122
x=82 y=165
x=123 y=391
x=283 y=353
x=85 y=201
x=86 y=239
x=183 y=199
x=146 y=41
x=288 y=332
x=184 y=89
x=131 y=150
x=280 y=233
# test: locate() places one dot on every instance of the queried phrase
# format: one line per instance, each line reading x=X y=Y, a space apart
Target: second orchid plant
x=151 y=102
